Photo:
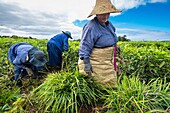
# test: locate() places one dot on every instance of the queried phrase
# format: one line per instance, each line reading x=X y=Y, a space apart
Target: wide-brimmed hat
x=104 y=6
x=67 y=33
x=37 y=57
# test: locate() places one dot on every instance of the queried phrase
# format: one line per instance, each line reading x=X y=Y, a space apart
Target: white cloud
x=45 y=18
x=7 y=31
x=72 y=9
x=78 y=9
x=129 y=4
x=143 y=35
x=154 y=1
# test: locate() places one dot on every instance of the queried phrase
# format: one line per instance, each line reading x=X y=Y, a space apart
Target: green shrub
x=8 y=95
x=147 y=60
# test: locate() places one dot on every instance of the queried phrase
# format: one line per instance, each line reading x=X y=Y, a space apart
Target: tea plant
x=147 y=60
x=8 y=95
x=68 y=91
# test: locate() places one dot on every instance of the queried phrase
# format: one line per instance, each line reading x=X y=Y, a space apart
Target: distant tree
x=5 y=36
x=30 y=37
x=78 y=40
x=123 y=38
x=14 y=36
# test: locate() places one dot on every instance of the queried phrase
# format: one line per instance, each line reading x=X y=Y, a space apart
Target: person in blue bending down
x=26 y=59
x=55 y=47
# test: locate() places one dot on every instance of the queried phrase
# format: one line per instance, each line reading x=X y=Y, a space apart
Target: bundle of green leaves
x=65 y=92
x=133 y=96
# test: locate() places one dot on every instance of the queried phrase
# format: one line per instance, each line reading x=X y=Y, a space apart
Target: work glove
x=87 y=66
x=34 y=76
x=29 y=71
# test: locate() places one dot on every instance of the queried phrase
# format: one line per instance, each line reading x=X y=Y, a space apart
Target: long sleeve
x=95 y=35
x=21 y=54
x=87 y=43
x=19 y=60
x=65 y=48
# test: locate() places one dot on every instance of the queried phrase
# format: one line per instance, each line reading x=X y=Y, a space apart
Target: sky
x=140 y=20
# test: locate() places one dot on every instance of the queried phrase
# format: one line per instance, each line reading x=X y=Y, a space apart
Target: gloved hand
x=87 y=66
x=29 y=71
x=34 y=76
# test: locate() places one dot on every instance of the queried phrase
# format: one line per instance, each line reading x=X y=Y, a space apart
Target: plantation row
x=143 y=84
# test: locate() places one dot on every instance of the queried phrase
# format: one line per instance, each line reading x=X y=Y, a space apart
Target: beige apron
x=102 y=62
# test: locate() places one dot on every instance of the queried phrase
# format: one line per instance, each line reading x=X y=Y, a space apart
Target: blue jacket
x=17 y=56
x=96 y=35
x=17 y=53
x=61 y=41
x=55 y=47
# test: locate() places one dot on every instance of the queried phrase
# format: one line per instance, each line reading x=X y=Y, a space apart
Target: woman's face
x=103 y=17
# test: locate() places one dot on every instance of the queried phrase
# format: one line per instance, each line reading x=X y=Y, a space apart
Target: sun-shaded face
x=103 y=17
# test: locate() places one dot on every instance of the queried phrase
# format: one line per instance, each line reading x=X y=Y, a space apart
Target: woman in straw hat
x=98 y=45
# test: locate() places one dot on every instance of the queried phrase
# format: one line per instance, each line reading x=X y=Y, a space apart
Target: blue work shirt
x=61 y=41
x=96 y=35
x=17 y=55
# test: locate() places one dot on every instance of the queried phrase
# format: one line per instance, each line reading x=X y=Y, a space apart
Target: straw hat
x=104 y=6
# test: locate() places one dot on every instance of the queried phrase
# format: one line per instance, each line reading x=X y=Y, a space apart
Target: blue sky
x=151 y=17
x=147 y=16
x=140 y=19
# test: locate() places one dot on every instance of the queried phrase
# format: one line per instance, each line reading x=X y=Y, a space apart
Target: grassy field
x=142 y=86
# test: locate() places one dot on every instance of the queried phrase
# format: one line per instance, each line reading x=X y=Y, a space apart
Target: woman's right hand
x=87 y=66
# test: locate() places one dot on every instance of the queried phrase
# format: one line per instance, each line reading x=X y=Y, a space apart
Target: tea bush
x=142 y=87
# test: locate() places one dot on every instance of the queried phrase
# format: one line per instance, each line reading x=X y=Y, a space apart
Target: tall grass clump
x=8 y=94
x=133 y=96
x=65 y=92
x=158 y=94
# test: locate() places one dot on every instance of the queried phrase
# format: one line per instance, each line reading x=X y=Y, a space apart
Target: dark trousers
x=54 y=54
